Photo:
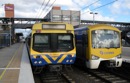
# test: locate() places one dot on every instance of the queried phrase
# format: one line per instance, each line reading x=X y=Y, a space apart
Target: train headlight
x=119 y=56
x=94 y=57
x=71 y=60
x=35 y=62
x=40 y=62
x=67 y=61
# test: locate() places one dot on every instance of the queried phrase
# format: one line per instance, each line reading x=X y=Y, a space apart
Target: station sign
x=9 y=7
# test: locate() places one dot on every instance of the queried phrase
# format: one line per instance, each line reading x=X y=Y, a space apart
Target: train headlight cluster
x=95 y=57
x=69 y=58
x=37 y=62
x=67 y=61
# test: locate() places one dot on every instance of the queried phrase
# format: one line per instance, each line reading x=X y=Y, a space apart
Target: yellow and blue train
x=97 y=45
x=52 y=44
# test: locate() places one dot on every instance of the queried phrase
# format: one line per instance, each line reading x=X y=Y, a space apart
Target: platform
x=14 y=65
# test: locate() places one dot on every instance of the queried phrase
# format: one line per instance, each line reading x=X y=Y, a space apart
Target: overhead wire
x=51 y=5
x=40 y=8
x=90 y=5
x=87 y=6
x=44 y=8
x=76 y=12
x=36 y=14
x=101 y=6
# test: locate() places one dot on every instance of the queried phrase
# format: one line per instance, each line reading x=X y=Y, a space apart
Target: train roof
x=82 y=28
x=99 y=26
x=51 y=23
x=40 y=25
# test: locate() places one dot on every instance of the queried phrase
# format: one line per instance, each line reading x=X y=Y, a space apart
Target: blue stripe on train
x=34 y=60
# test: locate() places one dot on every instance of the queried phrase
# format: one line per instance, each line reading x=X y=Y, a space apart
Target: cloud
x=85 y=15
x=30 y=9
x=82 y=2
x=64 y=3
x=2 y=12
x=100 y=17
x=97 y=17
x=120 y=6
x=74 y=5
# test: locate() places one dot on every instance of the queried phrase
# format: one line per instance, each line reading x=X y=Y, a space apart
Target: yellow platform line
x=9 y=68
x=9 y=63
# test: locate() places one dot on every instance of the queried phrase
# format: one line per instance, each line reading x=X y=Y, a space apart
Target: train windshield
x=105 y=39
x=52 y=42
x=41 y=42
x=65 y=41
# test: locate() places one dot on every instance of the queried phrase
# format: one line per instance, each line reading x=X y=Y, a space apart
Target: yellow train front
x=98 y=45
x=52 y=44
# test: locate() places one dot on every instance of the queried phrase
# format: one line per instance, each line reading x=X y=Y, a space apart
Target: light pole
x=93 y=16
x=10 y=33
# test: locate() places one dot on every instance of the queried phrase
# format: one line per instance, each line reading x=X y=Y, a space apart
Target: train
x=98 y=45
x=52 y=46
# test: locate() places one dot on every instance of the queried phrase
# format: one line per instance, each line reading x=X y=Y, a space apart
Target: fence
x=4 y=39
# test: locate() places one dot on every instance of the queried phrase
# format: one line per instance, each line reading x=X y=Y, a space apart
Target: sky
x=107 y=10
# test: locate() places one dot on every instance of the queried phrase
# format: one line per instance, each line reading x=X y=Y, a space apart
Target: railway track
x=113 y=75
x=83 y=75
x=54 y=77
x=123 y=72
x=106 y=75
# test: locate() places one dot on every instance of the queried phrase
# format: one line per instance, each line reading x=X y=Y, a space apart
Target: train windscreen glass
x=41 y=42
x=105 y=39
x=52 y=42
x=65 y=42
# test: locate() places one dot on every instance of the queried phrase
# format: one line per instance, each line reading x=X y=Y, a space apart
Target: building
x=58 y=15
x=5 y=26
x=9 y=10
